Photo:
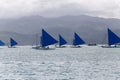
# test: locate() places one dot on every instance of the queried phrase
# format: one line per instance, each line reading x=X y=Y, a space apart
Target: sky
x=55 y=8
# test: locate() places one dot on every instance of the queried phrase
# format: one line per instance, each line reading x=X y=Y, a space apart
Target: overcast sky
x=54 y=8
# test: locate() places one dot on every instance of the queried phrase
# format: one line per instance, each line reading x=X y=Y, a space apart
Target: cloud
x=51 y=8
x=104 y=8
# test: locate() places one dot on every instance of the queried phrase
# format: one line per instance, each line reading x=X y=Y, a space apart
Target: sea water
x=86 y=63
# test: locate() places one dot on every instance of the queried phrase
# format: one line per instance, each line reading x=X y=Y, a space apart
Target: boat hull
x=76 y=47
x=110 y=46
x=61 y=46
x=42 y=48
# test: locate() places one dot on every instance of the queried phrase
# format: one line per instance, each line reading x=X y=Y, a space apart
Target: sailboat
x=77 y=41
x=2 y=43
x=13 y=43
x=113 y=39
x=46 y=40
x=36 y=42
x=62 y=42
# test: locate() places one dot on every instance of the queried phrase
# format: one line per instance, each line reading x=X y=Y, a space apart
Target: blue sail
x=47 y=39
x=77 y=40
x=2 y=43
x=62 y=41
x=112 y=38
x=13 y=42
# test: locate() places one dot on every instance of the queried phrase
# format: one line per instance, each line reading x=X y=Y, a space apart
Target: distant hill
x=20 y=38
x=91 y=29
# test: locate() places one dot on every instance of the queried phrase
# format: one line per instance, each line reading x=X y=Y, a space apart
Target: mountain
x=22 y=39
x=91 y=29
